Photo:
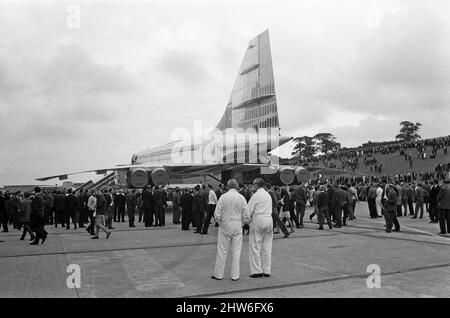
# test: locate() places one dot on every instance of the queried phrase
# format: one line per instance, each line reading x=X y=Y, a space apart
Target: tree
x=326 y=143
x=409 y=131
x=305 y=148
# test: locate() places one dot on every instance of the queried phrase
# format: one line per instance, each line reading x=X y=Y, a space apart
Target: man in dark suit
x=330 y=192
x=322 y=207
x=434 y=190
x=37 y=221
x=120 y=202
x=176 y=206
x=339 y=202
x=390 y=208
x=147 y=203
x=410 y=192
x=198 y=209
x=60 y=208
x=443 y=205
x=3 y=214
x=186 y=201
x=71 y=209
x=131 y=206
x=300 y=198
x=158 y=199
x=82 y=212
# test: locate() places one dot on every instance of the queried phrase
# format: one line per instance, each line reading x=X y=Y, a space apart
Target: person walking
x=25 y=217
x=390 y=208
x=210 y=208
x=285 y=208
x=37 y=217
x=100 y=215
x=91 y=207
x=277 y=222
x=322 y=207
x=300 y=198
x=261 y=231
x=231 y=213
x=111 y=208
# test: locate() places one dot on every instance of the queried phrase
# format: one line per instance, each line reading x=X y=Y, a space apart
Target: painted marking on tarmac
x=146 y=274
x=411 y=229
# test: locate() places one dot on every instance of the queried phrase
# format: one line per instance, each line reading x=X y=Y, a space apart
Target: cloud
x=184 y=67
x=72 y=70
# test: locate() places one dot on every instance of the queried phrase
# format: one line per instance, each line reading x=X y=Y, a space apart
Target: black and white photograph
x=223 y=155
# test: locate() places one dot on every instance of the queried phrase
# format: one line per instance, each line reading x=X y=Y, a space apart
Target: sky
x=86 y=84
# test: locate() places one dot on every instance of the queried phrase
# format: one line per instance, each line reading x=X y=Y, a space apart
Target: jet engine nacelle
x=138 y=178
x=287 y=175
x=159 y=177
x=302 y=174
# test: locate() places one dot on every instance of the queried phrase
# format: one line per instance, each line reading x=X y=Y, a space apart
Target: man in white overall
x=231 y=213
x=261 y=231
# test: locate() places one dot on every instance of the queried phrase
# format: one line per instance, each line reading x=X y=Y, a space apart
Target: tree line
x=308 y=147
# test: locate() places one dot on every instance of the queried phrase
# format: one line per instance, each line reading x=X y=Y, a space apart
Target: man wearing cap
x=231 y=213
x=261 y=231
x=443 y=204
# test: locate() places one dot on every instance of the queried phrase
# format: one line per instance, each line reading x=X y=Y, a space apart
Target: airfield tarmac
x=168 y=262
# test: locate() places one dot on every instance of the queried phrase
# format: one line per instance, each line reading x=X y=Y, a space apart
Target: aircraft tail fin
x=253 y=102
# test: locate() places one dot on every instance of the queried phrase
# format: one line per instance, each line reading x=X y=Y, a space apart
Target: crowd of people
x=351 y=158
x=260 y=209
